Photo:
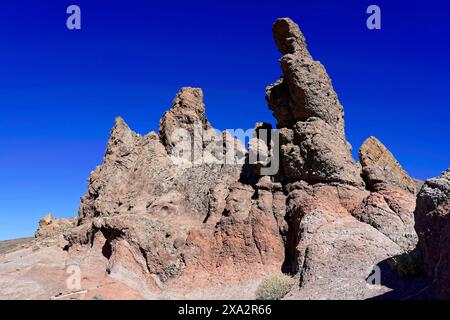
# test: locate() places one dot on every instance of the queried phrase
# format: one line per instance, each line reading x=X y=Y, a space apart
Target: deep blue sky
x=60 y=90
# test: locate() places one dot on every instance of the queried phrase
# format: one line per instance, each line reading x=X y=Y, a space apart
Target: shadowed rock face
x=380 y=168
x=432 y=218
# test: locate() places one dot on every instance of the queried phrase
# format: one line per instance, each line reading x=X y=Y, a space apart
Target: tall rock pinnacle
x=309 y=115
x=305 y=90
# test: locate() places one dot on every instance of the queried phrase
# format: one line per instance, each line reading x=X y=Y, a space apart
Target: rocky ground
x=214 y=225
x=13 y=245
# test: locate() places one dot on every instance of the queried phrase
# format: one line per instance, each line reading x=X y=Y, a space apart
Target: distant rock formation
x=432 y=218
x=49 y=227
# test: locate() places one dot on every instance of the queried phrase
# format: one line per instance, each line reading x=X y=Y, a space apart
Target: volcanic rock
x=391 y=211
x=328 y=249
x=380 y=168
x=172 y=221
x=305 y=90
x=314 y=151
x=49 y=227
x=189 y=213
x=432 y=217
x=309 y=115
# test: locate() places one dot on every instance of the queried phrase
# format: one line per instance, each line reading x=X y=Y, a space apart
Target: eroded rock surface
x=181 y=220
x=391 y=211
x=49 y=227
x=432 y=218
x=160 y=222
x=380 y=168
x=305 y=90
x=329 y=250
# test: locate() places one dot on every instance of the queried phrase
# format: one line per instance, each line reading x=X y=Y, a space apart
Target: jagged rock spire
x=121 y=139
x=187 y=112
x=309 y=115
x=305 y=90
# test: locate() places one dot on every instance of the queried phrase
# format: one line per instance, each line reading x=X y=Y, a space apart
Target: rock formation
x=188 y=212
x=389 y=207
x=432 y=218
x=326 y=245
x=49 y=227
x=380 y=168
x=183 y=220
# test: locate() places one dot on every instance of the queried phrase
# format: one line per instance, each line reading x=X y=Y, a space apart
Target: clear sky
x=60 y=90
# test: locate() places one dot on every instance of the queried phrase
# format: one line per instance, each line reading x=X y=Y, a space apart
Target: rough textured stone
x=314 y=151
x=151 y=226
x=330 y=251
x=432 y=216
x=49 y=227
x=380 y=168
x=309 y=115
x=391 y=211
x=139 y=176
x=305 y=90
x=182 y=220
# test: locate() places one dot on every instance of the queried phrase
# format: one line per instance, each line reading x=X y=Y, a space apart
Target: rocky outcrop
x=391 y=211
x=331 y=252
x=188 y=208
x=49 y=227
x=432 y=217
x=180 y=220
x=305 y=90
x=380 y=168
x=313 y=151
x=390 y=206
x=334 y=253
x=309 y=115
